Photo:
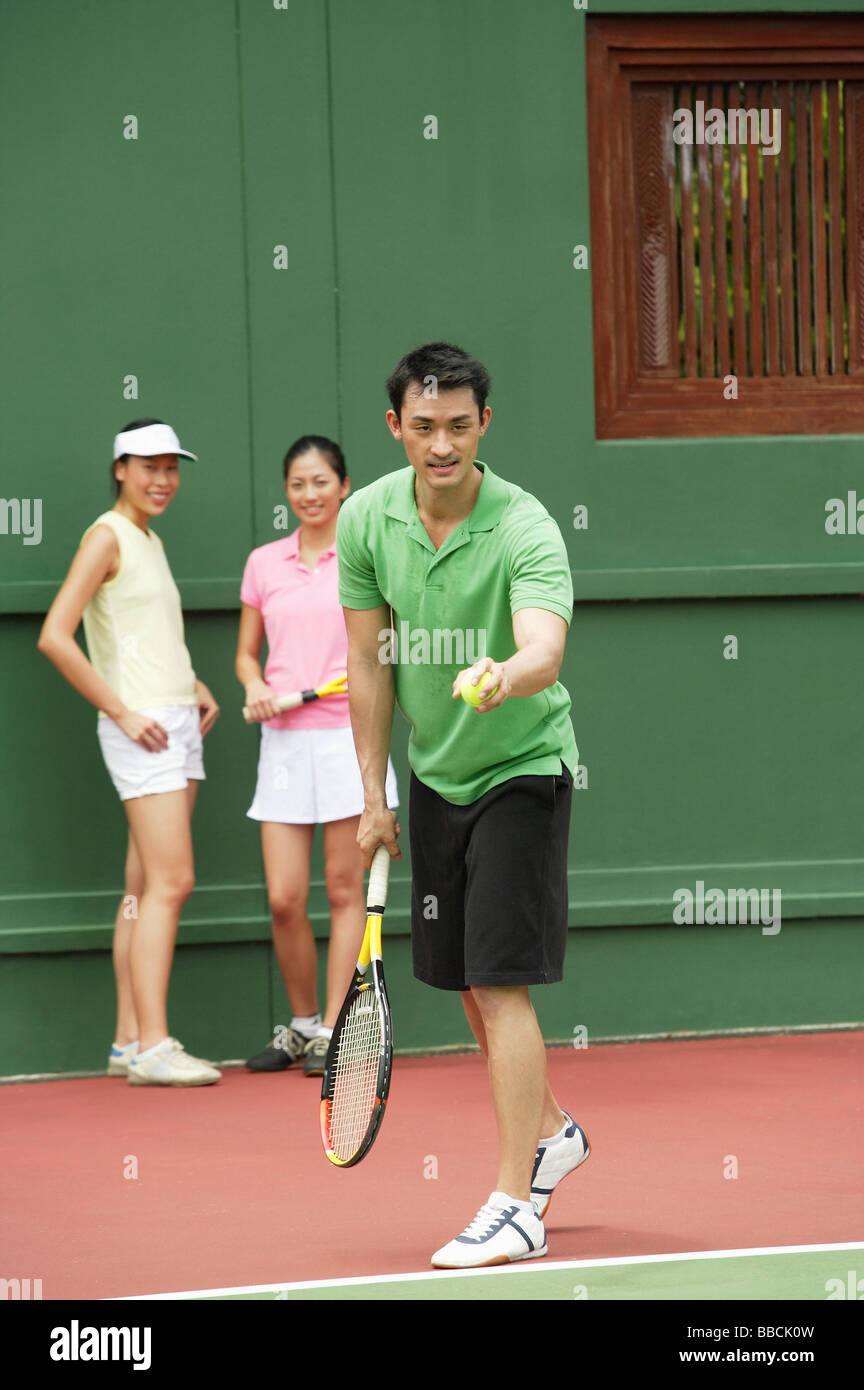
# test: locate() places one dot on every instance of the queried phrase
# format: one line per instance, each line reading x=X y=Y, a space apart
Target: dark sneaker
x=286 y=1048
x=316 y=1056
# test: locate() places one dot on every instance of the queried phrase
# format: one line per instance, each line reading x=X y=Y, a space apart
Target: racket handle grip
x=379 y=875
x=282 y=703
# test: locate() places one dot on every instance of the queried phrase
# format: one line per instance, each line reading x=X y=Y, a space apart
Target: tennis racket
x=360 y=1056
x=303 y=697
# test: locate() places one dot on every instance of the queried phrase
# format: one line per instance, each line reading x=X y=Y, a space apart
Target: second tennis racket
x=303 y=697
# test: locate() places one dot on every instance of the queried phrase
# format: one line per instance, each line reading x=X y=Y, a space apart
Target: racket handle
x=282 y=703
x=379 y=875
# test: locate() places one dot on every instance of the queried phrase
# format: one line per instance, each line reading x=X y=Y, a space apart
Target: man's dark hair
x=449 y=366
x=124 y=458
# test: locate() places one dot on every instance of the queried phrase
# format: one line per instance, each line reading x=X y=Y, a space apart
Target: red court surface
x=233 y=1187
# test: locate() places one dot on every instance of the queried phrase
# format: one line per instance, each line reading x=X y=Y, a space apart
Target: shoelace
x=174 y=1047
x=180 y=1056
x=293 y=1046
x=484 y=1222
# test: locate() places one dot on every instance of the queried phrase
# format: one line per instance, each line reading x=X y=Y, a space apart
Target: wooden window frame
x=632 y=402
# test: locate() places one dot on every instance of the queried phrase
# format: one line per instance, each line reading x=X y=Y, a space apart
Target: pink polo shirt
x=306 y=637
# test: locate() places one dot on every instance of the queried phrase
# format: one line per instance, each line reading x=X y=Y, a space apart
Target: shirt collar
x=292 y=547
x=489 y=506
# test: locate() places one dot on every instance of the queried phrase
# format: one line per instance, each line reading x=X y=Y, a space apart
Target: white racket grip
x=282 y=703
x=379 y=875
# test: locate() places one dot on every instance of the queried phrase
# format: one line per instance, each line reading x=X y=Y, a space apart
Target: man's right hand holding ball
x=484 y=686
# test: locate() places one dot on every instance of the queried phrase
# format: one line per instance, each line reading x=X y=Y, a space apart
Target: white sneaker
x=555 y=1160
x=120 y=1057
x=168 y=1064
x=503 y=1230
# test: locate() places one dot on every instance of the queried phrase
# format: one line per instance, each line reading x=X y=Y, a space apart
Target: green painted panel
x=305 y=128
x=694 y=758
x=292 y=363
x=479 y=226
x=741 y=774
x=468 y=236
x=57 y=1012
x=121 y=257
x=650 y=980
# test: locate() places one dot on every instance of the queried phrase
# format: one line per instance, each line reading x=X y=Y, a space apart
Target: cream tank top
x=134 y=623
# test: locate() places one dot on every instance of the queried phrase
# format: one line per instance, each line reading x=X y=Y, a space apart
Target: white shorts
x=135 y=772
x=310 y=776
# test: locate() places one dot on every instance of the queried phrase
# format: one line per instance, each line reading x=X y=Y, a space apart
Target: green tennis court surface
x=783 y=1273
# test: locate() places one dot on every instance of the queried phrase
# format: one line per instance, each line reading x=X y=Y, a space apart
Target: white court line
x=517 y=1267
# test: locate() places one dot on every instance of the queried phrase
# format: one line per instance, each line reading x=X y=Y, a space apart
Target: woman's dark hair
x=124 y=458
x=328 y=447
x=447 y=366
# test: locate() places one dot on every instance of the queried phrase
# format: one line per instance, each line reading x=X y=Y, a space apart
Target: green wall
x=303 y=128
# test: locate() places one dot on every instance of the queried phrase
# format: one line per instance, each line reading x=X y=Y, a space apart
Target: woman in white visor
x=153 y=712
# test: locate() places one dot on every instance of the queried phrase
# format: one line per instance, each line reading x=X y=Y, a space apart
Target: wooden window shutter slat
x=754 y=233
x=820 y=295
x=656 y=231
x=835 y=232
x=688 y=253
x=706 y=255
x=854 y=132
x=721 y=314
x=769 y=184
x=802 y=210
x=787 y=231
x=739 y=283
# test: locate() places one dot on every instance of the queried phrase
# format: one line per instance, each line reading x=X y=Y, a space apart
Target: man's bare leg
x=553 y=1116
x=505 y=1025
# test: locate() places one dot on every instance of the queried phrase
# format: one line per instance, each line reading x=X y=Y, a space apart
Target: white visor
x=148 y=441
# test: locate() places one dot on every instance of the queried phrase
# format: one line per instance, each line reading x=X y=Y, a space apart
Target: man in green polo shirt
x=476 y=576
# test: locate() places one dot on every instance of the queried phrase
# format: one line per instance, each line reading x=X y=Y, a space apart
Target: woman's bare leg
x=124 y=925
x=161 y=829
x=344 y=876
x=286 y=850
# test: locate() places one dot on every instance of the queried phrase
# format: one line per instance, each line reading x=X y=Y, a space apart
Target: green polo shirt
x=451 y=607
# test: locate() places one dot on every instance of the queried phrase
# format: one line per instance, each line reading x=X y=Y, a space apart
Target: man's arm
x=540 y=637
x=371 y=698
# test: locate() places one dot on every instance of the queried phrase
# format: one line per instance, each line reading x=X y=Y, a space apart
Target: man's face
x=440 y=434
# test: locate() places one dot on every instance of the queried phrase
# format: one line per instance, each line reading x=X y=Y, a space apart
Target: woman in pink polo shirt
x=307 y=771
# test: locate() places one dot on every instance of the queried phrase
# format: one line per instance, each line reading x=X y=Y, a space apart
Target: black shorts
x=489 y=883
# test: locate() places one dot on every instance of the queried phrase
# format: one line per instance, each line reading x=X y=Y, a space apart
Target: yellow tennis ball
x=475 y=694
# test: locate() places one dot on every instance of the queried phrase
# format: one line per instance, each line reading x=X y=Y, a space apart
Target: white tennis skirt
x=310 y=776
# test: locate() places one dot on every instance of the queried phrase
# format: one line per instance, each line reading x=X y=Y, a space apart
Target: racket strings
x=355 y=1074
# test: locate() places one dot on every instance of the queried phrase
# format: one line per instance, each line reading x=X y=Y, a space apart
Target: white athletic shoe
x=168 y=1064
x=503 y=1230
x=120 y=1057
x=554 y=1161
